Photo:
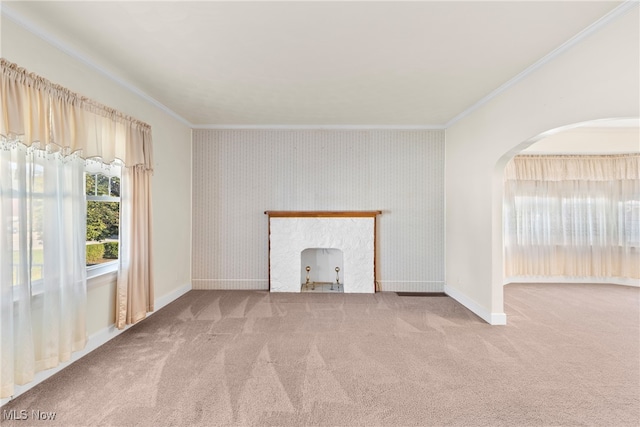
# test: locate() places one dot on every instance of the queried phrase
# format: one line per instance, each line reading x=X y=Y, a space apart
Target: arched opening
x=607 y=136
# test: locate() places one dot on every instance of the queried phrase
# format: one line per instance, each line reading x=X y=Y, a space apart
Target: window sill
x=98 y=275
x=101 y=269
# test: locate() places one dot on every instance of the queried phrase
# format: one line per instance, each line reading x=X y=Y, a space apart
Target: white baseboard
x=94 y=341
x=172 y=296
x=231 y=284
x=409 y=286
x=623 y=281
x=484 y=314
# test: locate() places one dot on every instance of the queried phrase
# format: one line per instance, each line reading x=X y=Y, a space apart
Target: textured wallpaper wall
x=239 y=174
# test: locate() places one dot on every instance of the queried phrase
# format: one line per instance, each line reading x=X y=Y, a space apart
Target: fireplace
x=351 y=233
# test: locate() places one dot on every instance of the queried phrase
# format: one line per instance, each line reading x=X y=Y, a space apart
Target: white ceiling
x=313 y=63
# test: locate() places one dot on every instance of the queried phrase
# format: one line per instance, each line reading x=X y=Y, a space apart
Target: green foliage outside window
x=103 y=218
x=95 y=253
x=110 y=250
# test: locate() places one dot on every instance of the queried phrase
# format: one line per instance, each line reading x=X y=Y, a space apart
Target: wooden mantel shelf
x=321 y=214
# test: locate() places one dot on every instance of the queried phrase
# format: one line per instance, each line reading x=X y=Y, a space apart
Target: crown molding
x=35 y=30
x=610 y=17
x=318 y=127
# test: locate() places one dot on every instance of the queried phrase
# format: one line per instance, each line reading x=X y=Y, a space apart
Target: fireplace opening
x=322 y=270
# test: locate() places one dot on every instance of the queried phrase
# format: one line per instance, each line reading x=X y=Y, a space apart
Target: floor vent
x=421 y=294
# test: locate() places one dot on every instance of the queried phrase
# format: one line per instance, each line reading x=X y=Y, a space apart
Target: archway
x=498 y=266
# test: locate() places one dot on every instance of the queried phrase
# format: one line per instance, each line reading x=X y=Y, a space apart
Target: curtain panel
x=572 y=216
x=135 y=295
x=47 y=133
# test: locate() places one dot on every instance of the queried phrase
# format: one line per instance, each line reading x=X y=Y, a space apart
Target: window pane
x=115 y=186
x=90 y=184
x=103 y=221
x=103 y=185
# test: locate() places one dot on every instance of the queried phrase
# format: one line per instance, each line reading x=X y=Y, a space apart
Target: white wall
x=172 y=169
x=589 y=140
x=239 y=174
x=596 y=79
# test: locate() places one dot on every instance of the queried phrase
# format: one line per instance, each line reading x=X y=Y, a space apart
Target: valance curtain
x=572 y=216
x=46 y=133
x=35 y=110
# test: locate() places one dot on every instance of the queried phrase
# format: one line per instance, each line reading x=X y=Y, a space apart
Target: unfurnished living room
x=303 y=213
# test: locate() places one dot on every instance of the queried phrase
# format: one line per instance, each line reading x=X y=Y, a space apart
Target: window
x=562 y=220
x=49 y=205
x=27 y=235
x=630 y=213
x=103 y=217
x=556 y=226
x=42 y=206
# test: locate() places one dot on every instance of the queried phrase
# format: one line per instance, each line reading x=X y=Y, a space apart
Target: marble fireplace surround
x=353 y=232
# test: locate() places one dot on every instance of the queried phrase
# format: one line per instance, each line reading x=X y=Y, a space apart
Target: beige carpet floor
x=569 y=356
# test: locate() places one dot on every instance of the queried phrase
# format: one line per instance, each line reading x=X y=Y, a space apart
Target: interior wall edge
x=475 y=307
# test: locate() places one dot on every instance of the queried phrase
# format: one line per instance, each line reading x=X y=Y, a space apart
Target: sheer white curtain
x=43 y=251
x=572 y=216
